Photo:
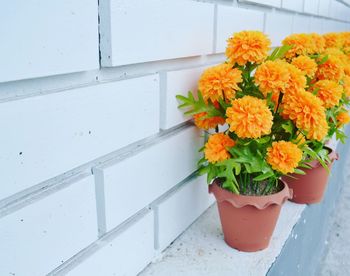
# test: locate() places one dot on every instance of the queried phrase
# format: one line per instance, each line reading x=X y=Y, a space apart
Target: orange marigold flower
x=249 y=117
x=318 y=43
x=338 y=53
x=219 y=82
x=329 y=92
x=342 y=119
x=248 y=46
x=347 y=69
x=333 y=40
x=346 y=39
x=302 y=44
x=296 y=81
x=216 y=149
x=284 y=156
x=207 y=123
x=272 y=76
x=346 y=85
x=308 y=113
x=307 y=65
x=332 y=69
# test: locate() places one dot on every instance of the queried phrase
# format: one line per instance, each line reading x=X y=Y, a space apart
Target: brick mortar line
x=37 y=192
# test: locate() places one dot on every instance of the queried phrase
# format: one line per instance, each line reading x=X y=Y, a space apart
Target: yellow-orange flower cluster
x=272 y=77
x=332 y=69
x=319 y=43
x=279 y=76
x=296 y=81
x=216 y=149
x=207 y=123
x=302 y=44
x=346 y=85
x=329 y=92
x=219 y=82
x=306 y=65
x=308 y=113
x=248 y=46
x=333 y=40
x=284 y=156
x=249 y=117
x=343 y=118
x=337 y=53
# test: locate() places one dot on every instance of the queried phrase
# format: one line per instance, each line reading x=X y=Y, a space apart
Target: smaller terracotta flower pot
x=310 y=188
x=248 y=221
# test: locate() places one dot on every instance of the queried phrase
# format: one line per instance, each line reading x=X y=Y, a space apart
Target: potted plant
x=324 y=62
x=258 y=141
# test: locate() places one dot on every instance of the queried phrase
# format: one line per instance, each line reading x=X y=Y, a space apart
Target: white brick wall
x=147 y=175
x=178 y=211
x=141 y=31
x=41 y=38
x=64 y=115
x=41 y=236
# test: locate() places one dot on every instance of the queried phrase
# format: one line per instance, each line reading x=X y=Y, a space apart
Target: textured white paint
x=135 y=182
x=178 y=211
x=339 y=11
x=301 y=24
x=41 y=236
x=48 y=135
x=201 y=249
x=323 y=7
x=316 y=25
x=141 y=31
x=127 y=254
x=278 y=26
x=42 y=38
x=311 y=6
x=272 y=3
x=177 y=82
x=231 y=20
x=294 y=5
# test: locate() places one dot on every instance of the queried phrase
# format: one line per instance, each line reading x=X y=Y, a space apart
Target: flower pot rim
x=259 y=202
x=333 y=155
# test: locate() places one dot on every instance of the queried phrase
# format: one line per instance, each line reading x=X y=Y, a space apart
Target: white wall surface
x=96 y=159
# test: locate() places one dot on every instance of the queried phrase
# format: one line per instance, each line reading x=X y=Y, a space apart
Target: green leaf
x=288 y=127
x=279 y=52
x=323 y=60
x=264 y=176
x=298 y=171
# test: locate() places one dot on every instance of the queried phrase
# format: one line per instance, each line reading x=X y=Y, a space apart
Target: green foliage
x=195 y=106
x=279 y=52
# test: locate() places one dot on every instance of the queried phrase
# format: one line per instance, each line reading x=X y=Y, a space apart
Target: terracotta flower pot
x=248 y=221
x=309 y=188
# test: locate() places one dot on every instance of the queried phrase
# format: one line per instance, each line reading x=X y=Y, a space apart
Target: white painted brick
x=177 y=82
x=339 y=11
x=278 y=26
x=135 y=182
x=42 y=38
x=140 y=31
x=47 y=135
x=301 y=24
x=38 y=238
x=178 y=212
x=231 y=20
x=311 y=6
x=294 y=5
x=271 y=3
x=127 y=254
x=316 y=25
x=323 y=8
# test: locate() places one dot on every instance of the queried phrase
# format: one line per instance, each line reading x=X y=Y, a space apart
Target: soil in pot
x=248 y=221
x=310 y=188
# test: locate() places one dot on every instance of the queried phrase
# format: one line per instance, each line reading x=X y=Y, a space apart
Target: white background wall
x=97 y=162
